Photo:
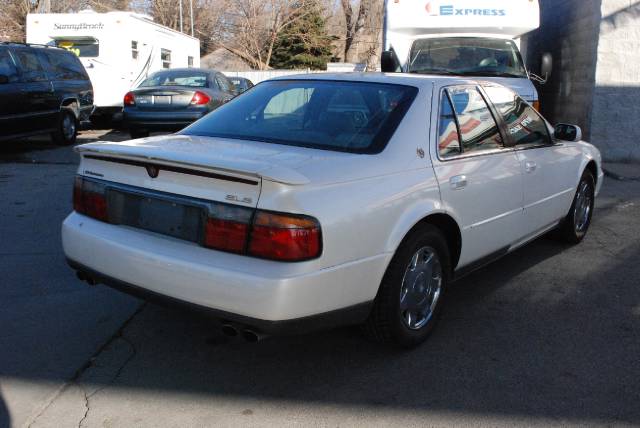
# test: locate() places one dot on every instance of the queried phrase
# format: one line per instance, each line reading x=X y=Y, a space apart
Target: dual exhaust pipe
x=247 y=334
x=86 y=278
x=229 y=330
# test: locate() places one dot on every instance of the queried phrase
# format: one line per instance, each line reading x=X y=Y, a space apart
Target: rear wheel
x=138 y=133
x=575 y=225
x=67 y=129
x=411 y=294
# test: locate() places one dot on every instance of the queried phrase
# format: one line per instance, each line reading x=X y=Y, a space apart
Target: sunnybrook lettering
x=450 y=10
x=79 y=26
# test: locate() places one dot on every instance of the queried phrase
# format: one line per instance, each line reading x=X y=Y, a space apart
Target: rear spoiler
x=238 y=170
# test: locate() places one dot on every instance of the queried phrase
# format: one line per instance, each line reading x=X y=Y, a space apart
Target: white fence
x=257 y=76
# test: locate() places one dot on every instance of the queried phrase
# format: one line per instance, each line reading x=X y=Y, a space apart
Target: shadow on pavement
x=5 y=420
x=515 y=340
x=549 y=331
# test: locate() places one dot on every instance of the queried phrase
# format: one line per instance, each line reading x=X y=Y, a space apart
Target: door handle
x=530 y=166
x=458 y=182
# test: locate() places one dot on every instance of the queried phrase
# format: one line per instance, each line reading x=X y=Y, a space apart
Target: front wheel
x=575 y=225
x=411 y=294
x=67 y=129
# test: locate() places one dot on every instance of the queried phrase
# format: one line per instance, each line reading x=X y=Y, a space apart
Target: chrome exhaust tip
x=229 y=330
x=86 y=278
x=252 y=336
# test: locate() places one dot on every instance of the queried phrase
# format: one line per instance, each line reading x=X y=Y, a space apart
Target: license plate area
x=171 y=217
x=162 y=100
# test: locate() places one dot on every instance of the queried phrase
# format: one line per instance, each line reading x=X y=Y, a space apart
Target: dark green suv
x=42 y=90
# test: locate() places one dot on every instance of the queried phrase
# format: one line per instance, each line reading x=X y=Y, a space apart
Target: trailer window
x=165 y=56
x=471 y=56
x=134 y=49
x=190 y=61
x=84 y=48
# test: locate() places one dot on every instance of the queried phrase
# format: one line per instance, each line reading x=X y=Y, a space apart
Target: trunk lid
x=205 y=168
x=163 y=97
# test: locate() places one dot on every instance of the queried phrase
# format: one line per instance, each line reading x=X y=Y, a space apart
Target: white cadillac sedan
x=323 y=200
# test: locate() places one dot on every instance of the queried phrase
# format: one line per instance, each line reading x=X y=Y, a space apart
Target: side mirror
x=546 y=65
x=568 y=132
x=389 y=62
x=4 y=79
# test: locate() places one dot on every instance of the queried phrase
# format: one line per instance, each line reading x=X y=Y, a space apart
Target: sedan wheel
x=421 y=288
x=411 y=294
x=576 y=224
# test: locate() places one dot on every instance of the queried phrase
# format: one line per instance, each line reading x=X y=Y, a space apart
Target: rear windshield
x=177 y=78
x=472 y=56
x=353 y=117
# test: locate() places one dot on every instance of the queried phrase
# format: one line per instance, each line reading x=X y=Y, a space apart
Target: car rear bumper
x=161 y=119
x=346 y=316
x=271 y=297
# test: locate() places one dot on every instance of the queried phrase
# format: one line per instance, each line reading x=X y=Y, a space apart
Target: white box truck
x=476 y=38
x=118 y=49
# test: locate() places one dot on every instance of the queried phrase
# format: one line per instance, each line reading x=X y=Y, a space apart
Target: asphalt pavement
x=549 y=335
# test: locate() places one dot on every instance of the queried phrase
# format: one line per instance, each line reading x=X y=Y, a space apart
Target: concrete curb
x=611 y=174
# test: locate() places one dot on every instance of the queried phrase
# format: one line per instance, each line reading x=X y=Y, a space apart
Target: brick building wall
x=616 y=102
x=596 y=76
x=568 y=30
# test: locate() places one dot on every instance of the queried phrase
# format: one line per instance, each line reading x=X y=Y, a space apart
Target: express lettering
x=450 y=10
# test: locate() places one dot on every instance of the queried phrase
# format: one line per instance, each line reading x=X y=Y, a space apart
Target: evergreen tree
x=304 y=43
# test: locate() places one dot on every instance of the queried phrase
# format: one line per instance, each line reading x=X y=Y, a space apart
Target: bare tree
x=354 y=26
x=250 y=28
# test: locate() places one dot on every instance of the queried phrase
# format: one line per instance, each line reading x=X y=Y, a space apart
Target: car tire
x=411 y=295
x=66 y=129
x=575 y=225
x=138 y=133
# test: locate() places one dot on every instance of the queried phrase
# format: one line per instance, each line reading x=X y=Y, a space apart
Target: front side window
x=64 y=66
x=524 y=124
x=8 y=67
x=32 y=70
x=312 y=114
x=165 y=57
x=84 y=48
x=472 y=56
x=478 y=129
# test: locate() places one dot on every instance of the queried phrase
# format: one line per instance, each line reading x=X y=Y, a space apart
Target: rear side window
x=8 y=67
x=223 y=83
x=448 y=138
x=64 y=65
x=478 y=129
x=524 y=124
x=357 y=117
x=32 y=70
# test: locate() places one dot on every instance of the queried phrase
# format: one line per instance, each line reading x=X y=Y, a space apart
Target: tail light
x=129 y=99
x=200 y=98
x=284 y=237
x=89 y=198
x=536 y=105
x=229 y=228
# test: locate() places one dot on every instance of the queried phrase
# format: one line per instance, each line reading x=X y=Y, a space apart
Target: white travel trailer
x=477 y=38
x=118 y=49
